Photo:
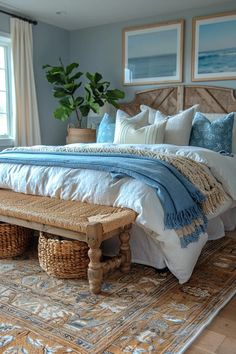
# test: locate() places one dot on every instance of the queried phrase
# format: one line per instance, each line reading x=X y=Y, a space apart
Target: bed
x=152 y=243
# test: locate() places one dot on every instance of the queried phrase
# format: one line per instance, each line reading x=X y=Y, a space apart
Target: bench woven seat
x=85 y=222
x=68 y=214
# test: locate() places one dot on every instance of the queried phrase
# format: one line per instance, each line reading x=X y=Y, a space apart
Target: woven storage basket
x=13 y=240
x=63 y=258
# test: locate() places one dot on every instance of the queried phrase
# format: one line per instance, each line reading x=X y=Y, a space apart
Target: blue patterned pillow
x=215 y=135
x=106 y=130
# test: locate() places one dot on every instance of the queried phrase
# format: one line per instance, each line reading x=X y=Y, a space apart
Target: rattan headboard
x=169 y=100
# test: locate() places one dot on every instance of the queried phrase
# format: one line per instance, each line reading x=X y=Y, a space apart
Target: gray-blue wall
x=100 y=48
x=50 y=43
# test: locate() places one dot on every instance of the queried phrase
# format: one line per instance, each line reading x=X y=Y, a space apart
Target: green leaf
x=115 y=94
x=55 y=73
x=99 y=101
x=67 y=89
x=57 y=77
x=70 y=89
x=45 y=66
x=76 y=76
x=104 y=86
x=90 y=76
x=71 y=100
x=89 y=92
x=84 y=110
x=57 y=70
x=97 y=77
x=66 y=102
x=101 y=88
x=58 y=88
x=71 y=67
x=59 y=94
x=53 y=78
x=70 y=86
x=95 y=107
x=62 y=113
x=113 y=103
x=78 y=101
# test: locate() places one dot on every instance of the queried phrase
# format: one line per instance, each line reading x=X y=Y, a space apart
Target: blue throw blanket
x=180 y=199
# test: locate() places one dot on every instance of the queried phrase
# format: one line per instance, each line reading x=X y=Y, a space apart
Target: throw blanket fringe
x=200 y=177
x=191 y=232
x=173 y=220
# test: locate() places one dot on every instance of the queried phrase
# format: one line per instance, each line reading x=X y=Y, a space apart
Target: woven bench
x=85 y=222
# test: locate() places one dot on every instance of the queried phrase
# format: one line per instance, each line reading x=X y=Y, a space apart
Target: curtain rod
x=20 y=17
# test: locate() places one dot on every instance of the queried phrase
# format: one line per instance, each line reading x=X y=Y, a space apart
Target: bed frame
x=171 y=99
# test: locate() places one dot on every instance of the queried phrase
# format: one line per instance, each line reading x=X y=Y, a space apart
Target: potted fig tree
x=79 y=97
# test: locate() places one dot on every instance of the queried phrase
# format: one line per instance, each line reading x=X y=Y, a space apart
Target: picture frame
x=214 y=47
x=153 y=54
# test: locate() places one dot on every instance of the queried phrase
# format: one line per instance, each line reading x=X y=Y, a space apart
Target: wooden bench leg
x=125 y=249
x=95 y=271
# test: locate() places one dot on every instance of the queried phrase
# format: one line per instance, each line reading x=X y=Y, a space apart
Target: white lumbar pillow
x=135 y=130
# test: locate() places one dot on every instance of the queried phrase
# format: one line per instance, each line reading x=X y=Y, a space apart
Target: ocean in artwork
x=152 y=66
x=217 y=61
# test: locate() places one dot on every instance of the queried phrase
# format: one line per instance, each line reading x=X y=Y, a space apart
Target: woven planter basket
x=13 y=240
x=63 y=258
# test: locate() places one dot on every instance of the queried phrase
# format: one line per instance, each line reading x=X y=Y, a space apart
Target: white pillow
x=135 y=130
x=214 y=116
x=178 y=127
x=152 y=113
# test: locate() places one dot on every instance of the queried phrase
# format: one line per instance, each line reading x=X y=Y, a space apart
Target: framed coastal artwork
x=153 y=54
x=214 y=47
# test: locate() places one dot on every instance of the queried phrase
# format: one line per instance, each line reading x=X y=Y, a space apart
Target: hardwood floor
x=220 y=336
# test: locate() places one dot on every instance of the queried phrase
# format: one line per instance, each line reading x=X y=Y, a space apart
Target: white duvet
x=100 y=188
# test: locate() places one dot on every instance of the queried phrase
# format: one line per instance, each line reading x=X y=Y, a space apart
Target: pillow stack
x=189 y=127
x=150 y=126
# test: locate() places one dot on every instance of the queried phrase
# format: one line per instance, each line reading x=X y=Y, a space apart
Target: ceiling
x=77 y=14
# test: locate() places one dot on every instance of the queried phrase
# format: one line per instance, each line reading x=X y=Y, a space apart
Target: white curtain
x=27 y=129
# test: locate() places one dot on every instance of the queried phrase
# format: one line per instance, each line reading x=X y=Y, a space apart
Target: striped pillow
x=135 y=130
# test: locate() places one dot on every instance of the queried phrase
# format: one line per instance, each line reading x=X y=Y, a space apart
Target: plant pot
x=78 y=135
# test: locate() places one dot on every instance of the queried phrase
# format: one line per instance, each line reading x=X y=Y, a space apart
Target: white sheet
x=99 y=187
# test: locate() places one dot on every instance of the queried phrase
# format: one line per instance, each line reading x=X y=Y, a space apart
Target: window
x=6 y=101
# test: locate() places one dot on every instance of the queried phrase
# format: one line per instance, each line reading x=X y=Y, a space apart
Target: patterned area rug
x=143 y=312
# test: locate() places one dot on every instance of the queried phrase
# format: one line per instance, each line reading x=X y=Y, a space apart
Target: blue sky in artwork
x=217 y=36
x=152 y=43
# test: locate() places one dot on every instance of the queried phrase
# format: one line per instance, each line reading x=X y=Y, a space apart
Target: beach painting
x=214 y=48
x=153 y=54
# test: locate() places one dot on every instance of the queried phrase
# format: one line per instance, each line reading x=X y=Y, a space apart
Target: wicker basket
x=63 y=258
x=13 y=240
